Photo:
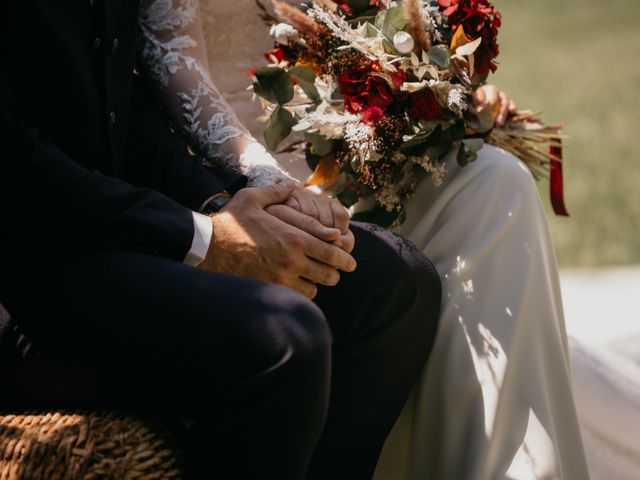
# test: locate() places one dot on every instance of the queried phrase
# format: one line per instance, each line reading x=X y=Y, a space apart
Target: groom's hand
x=247 y=241
x=312 y=226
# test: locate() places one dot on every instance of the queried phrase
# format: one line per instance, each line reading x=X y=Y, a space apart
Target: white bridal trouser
x=495 y=400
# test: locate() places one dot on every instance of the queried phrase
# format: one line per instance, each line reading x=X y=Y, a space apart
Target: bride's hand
x=318 y=215
x=489 y=96
x=326 y=210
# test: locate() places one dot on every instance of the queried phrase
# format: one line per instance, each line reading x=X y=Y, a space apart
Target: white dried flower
x=403 y=42
x=436 y=168
x=456 y=101
x=284 y=33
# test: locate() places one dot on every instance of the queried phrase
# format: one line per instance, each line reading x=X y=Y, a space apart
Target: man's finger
x=270 y=194
x=317 y=272
x=303 y=222
x=301 y=285
x=346 y=242
x=330 y=254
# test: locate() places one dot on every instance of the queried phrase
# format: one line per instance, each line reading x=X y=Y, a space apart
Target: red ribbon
x=555 y=181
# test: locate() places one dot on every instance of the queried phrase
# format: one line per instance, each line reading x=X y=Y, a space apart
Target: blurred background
x=579 y=62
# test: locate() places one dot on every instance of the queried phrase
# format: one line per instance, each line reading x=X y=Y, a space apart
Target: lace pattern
x=174 y=57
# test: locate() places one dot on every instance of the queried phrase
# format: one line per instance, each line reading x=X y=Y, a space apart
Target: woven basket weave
x=100 y=446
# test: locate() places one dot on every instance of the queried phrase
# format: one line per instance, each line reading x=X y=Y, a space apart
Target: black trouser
x=277 y=386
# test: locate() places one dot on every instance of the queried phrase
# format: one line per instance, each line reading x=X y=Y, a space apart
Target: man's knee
x=288 y=333
x=394 y=260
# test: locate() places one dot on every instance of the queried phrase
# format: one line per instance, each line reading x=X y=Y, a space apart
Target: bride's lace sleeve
x=174 y=57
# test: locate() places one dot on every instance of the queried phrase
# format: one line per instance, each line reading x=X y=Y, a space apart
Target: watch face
x=217 y=203
x=220 y=202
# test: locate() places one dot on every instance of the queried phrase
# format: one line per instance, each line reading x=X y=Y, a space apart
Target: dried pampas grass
x=525 y=136
x=417 y=27
x=300 y=20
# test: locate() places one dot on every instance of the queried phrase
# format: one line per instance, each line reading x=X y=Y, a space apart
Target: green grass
x=579 y=62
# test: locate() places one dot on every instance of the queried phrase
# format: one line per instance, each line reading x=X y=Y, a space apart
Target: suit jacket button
x=114 y=45
x=97 y=43
x=112 y=118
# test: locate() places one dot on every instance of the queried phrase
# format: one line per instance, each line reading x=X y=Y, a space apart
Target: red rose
x=479 y=19
x=398 y=78
x=362 y=88
x=423 y=105
x=372 y=114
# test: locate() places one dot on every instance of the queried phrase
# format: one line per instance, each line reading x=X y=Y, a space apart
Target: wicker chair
x=89 y=445
x=61 y=446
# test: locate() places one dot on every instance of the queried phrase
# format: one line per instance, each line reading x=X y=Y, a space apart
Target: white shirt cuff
x=202 y=231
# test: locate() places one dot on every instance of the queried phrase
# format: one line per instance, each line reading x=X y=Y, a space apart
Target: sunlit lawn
x=579 y=61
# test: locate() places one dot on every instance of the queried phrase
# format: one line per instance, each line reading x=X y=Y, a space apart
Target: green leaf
x=371 y=31
x=392 y=22
x=312 y=159
x=440 y=56
x=473 y=144
x=461 y=156
x=302 y=73
x=305 y=78
x=278 y=128
x=274 y=84
x=348 y=197
x=419 y=144
x=320 y=145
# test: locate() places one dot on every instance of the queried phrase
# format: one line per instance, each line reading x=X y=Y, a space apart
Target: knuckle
x=332 y=256
x=288 y=263
x=243 y=195
x=271 y=191
x=311 y=291
x=293 y=240
x=331 y=277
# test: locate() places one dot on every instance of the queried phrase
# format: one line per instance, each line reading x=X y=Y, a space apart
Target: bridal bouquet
x=381 y=90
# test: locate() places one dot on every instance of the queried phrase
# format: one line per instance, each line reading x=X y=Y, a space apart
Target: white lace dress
x=494 y=401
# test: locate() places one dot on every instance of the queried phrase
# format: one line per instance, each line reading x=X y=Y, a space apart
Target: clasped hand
x=282 y=234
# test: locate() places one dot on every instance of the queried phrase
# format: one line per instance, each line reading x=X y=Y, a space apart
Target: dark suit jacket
x=86 y=158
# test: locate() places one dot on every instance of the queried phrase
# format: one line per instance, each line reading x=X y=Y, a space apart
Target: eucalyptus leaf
x=348 y=197
x=473 y=144
x=371 y=30
x=440 y=55
x=312 y=160
x=419 y=144
x=320 y=145
x=461 y=156
x=278 y=128
x=303 y=73
x=393 y=22
x=273 y=84
x=342 y=182
x=305 y=78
